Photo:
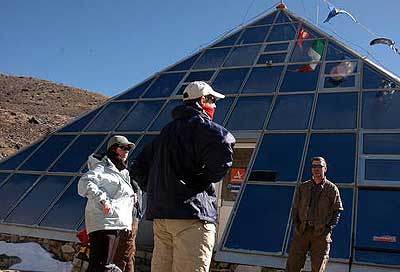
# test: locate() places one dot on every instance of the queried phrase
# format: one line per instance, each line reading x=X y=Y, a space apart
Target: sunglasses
x=124 y=147
x=317 y=166
x=210 y=98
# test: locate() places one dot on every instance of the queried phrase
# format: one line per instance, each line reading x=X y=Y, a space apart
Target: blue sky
x=109 y=46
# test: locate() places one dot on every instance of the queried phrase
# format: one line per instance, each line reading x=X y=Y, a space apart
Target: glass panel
x=13 y=189
x=3 y=177
x=272 y=162
x=252 y=109
x=381 y=110
x=300 y=78
x=164 y=85
x=111 y=115
x=271 y=58
x=346 y=82
x=283 y=18
x=223 y=106
x=375 y=80
x=166 y=115
x=339 y=74
x=181 y=89
x=282 y=33
x=229 y=81
x=67 y=211
x=291 y=112
x=276 y=47
x=38 y=200
x=263 y=80
x=185 y=65
x=242 y=56
x=336 y=52
x=269 y=19
x=212 y=58
x=382 y=143
x=260 y=203
x=140 y=117
x=228 y=41
x=136 y=91
x=387 y=170
x=336 y=110
x=77 y=153
x=78 y=125
x=196 y=76
x=12 y=162
x=47 y=153
x=147 y=139
x=340 y=160
x=376 y=257
x=254 y=35
x=308 y=51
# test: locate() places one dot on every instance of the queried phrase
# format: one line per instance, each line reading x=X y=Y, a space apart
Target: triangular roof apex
x=281 y=6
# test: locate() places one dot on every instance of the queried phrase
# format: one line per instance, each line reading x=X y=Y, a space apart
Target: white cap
x=119 y=140
x=198 y=89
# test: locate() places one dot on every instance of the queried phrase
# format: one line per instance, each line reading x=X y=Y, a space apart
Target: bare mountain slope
x=31 y=108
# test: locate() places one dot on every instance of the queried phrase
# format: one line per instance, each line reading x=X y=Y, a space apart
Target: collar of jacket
x=123 y=173
x=189 y=110
x=322 y=183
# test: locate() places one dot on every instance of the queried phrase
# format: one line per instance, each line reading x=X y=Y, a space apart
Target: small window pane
x=253 y=110
x=77 y=154
x=336 y=111
x=164 y=85
x=242 y=56
x=272 y=162
x=196 y=76
x=47 y=153
x=377 y=257
x=372 y=79
x=291 y=112
x=212 y=58
x=298 y=78
x=79 y=124
x=229 y=81
x=223 y=106
x=382 y=170
x=13 y=189
x=136 y=91
x=166 y=115
x=271 y=58
x=228 y=41
x=283 y=18
x=282 y=33
x=345 y=82
x=110 y=116
x=336 y=52
x=308 y=51
x=269 y=19
x=147 y=139
x=185 y=65
x=340 y=160
x=38 y=200
x=381 y=110
x=254 y=35
x=263 y=79
x=140 y=117
x=382 y=143
x=67 y=211
x=276 y=47
x=12 y=162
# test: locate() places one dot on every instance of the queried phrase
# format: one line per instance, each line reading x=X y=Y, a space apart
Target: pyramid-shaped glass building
x=292 y=92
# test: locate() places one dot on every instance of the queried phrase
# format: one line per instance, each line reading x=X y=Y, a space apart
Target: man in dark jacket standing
x=316 y=211
x=178 y=170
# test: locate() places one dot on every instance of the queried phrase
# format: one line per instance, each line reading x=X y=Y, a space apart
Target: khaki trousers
x=319 y=246
x=182 y=245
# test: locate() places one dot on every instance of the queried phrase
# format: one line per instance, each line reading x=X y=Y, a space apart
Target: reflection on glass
x=380 y=110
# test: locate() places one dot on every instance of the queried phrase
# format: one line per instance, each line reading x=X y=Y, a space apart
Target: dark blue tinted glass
x=140 y=117
x=164 y=85
x=110 y=116
x=263 y=80
x=282 y=33
x=283 y=18
x=196 y=76
x=181 y=89
x=242 y=56
x=387 y=170
x=336 y=52
x=3 y=177
x=147 y=139
x=228 y=41
x=136 y=91
x=336 y=110
x=212 y=58
x=78 y=125
x=67 y=211
x=38 y=200
x=47 y=153
x=166 y=115
x=269 y=19
x=13 y=161
x=271 y=58
x=388 y=143
x=272 y=163
x=377 y=257
x=344 y=82
x=13 y=189
x=252 y=109
x=229 y=81
x=186 y=64
x=223 y=106
x=253 y=35
x=381 y=110
x=297 y=80
x=77 y=154
x=308 y=51
x=339 y=150
x=375 y=80
x=276 y=47
x=256 y=208
x=291 y=112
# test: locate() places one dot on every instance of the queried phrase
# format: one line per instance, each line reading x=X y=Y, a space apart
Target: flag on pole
x=303 y=35
x=315 y=53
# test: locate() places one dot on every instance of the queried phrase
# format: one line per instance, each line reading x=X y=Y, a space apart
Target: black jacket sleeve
x=140 y=167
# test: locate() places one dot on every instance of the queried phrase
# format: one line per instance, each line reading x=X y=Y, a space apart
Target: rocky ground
x=31 y=108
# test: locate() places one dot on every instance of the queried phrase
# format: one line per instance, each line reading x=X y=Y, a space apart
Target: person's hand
x=135 y=198
x=107 y=209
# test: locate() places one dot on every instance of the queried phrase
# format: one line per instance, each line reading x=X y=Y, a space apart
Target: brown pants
x=125 y=256
x=103 y=244
x=318 y=245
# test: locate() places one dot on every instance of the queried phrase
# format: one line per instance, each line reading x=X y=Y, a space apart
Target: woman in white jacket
x=110 y=201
